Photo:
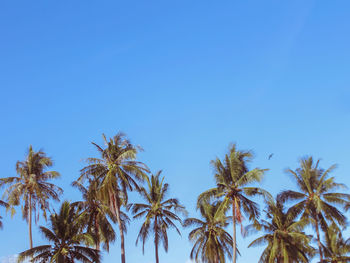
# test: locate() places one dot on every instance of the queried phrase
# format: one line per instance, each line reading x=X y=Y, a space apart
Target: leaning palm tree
x=212 y=243
x=4 y=204
x=317 y=200
x=117 y=172
x=283 y=235
x=232 y=178
x=31 y=187
x=70 y=242
x=159 y=213
x=336 y=249
x=97 y=214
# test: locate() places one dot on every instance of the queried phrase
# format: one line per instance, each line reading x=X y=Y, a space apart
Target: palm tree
x=97 y=214
x=69 y=240
x=232 y=177
x=159 y=212
x=211 y=241
x=283 y=234
x=4 y=204
x=336 y=249
x=32 y=187
x=316 y=198
x=118 y=172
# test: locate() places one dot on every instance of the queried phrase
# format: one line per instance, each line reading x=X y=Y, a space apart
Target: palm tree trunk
x=157 y=258
x=318 y=239
x=234 y=231
x=156 y=238
x=30 y=222
x=117 y=210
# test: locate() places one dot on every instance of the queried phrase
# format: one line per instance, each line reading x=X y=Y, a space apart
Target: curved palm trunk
x=30 y=222
x=234 y=232
x=318 y=239
x=116 y=204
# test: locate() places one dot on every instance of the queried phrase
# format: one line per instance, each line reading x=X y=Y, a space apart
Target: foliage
x=336 y=249
x=232 y=178
x=317 y=200
x=117 y=172
x=211 y=241
x=283 y=235
x=70 y=243
x=31 y=187
x=4 y=204
x=97 y=214
x=159 y=212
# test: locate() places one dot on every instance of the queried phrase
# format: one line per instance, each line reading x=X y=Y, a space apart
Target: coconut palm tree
x=159 y=213
x=97 y=214
x=232 y=178
x=336 y=249
x=118 y=172
x=212 y=243
x=69 y=241
x=317 y=200
x=4 y=204
x=283 y=235
x=31 y=187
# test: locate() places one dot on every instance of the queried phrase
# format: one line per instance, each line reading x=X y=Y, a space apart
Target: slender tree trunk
x=156 y=241
x=234 y=231
x=156 y=248
x=122 y=246
x=30 y=222
x=318 y=239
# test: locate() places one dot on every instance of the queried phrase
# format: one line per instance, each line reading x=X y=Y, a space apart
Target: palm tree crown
x=32 y=186
x=97 y=214
x=286 y=242
x=212 y=243
x=159 y=212
x=232 y=178
x=66 y=232
x=117 y=172
x=336 y=248
x=317 y=199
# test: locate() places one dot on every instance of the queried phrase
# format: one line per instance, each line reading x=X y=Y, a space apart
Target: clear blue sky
x=181 y=78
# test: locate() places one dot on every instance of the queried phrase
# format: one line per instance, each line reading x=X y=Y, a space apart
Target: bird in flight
x=270 y=156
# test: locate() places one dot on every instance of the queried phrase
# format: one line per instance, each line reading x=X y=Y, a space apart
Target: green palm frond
x=211 y=242
x=159 y=214
x=69 y=241
x=283 y=236
x=233 y=179
x=318 y=203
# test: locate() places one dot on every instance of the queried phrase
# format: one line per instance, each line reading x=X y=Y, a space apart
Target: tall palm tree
x=283 y=236
x=212 y=243
x=232 y=178
x=118 y=172
x=31 y=187
x=317 y=200
x=336 y=248
x=159 y=212
x=4 y=204
x=97 y=214
x=70 y=242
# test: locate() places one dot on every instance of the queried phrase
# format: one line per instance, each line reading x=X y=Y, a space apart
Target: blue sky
x=183 y=79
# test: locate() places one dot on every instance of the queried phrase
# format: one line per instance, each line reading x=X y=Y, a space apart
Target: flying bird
x=270 y=156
